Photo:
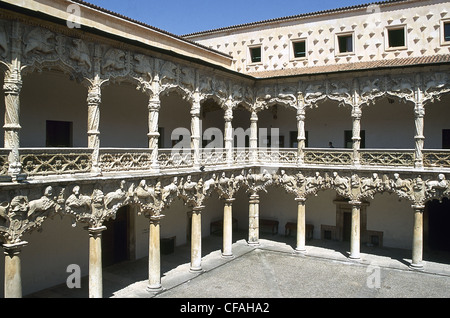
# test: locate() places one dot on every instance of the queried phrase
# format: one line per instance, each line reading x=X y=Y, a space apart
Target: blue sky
x=188 y=16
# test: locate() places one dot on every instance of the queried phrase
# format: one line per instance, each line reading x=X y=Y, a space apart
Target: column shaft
x=301 y=226
x=253 y=225
x=154 y=259
x=95 y=262
x=153 y=128
x=94 y=100
x=228 y=136
x=417 y=248
x=228 y=228
x=356 y=117
x=419 y=136
x=254 y=137
x=195 y=133
x=356 y=230
x=196 y=240
x=301 y=139
x=13 y=278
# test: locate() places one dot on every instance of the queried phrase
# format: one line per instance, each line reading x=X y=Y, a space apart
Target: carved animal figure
x=80 y=53
x=114 y=60
x=39 y=40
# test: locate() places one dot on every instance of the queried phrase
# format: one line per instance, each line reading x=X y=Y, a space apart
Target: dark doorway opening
x=116 y=239
x=439 y=225
x=347 y=230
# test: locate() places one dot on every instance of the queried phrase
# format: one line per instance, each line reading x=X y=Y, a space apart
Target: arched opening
x=53 y=111
x=174 y=121
x=123 y=117
x=437 y=124
x=212 y=125
x=328 y=123
x=241 y=127
x=118 y=240
x=389 y=124
x=277 y=127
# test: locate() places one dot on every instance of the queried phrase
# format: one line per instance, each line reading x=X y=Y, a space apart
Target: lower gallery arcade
x=138 y=225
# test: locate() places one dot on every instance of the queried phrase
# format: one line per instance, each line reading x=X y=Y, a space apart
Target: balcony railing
x=62 y=161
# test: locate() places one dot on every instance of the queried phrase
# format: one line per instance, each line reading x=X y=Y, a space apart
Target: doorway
x=117 y=238
x=438 y=225
x=347 y=227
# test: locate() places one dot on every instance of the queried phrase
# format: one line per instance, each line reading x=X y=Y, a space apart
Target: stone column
x=95 y=262
x=356 y=230
x=301 y=134
x=254 y=137
x=417 y=248
x=253 y=225
x=12 y=87
x=13 y=278
x=228 y=228
x=229 y=135
x=419 y=114
x=154 y=259
x=195 y=132
x=154 y=106
x=94 y=100
x=356 y=117
x=196 y=240
x=301 y=226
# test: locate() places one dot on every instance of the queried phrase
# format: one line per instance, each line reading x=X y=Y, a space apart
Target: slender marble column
x=254 y=137
x=356 y=117
x=253 y=225
x=196 y=240
x=95 y=262
x=228 y=228
x=12 y=88
x=301 y=139
x=228 y=138
x=154 y=259
x=419 y=114
x=301 y=226
x=195 y=132
x=153 y=134
x=356 y=230
x=417 y=248
x=93 y=101
x=13 y=278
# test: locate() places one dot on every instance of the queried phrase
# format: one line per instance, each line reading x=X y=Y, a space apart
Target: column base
x=253 y=243
x=417 y=267
x=300 y=250
x=227 y=256
x=154 y=288
x=355 y=257
x=195 y=270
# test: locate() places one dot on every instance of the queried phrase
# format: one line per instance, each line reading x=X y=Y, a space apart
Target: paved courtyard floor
x=274 y=270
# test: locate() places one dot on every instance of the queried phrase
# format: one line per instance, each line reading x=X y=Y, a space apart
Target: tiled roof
x=293 y=17
x=359 y=66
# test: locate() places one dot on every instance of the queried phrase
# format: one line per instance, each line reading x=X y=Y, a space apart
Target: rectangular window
x=447 y=31
x=348 y=135
x=58 y=134
x=345 y=43
x=255 y=54
x=396 y=37
x=299 y=48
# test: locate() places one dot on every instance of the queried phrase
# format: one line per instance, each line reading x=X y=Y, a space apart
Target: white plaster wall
x=45 y=259
x=51 y=96
x=320 y=210
x=422 y=20
x=394 y=218
x=141 y=226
